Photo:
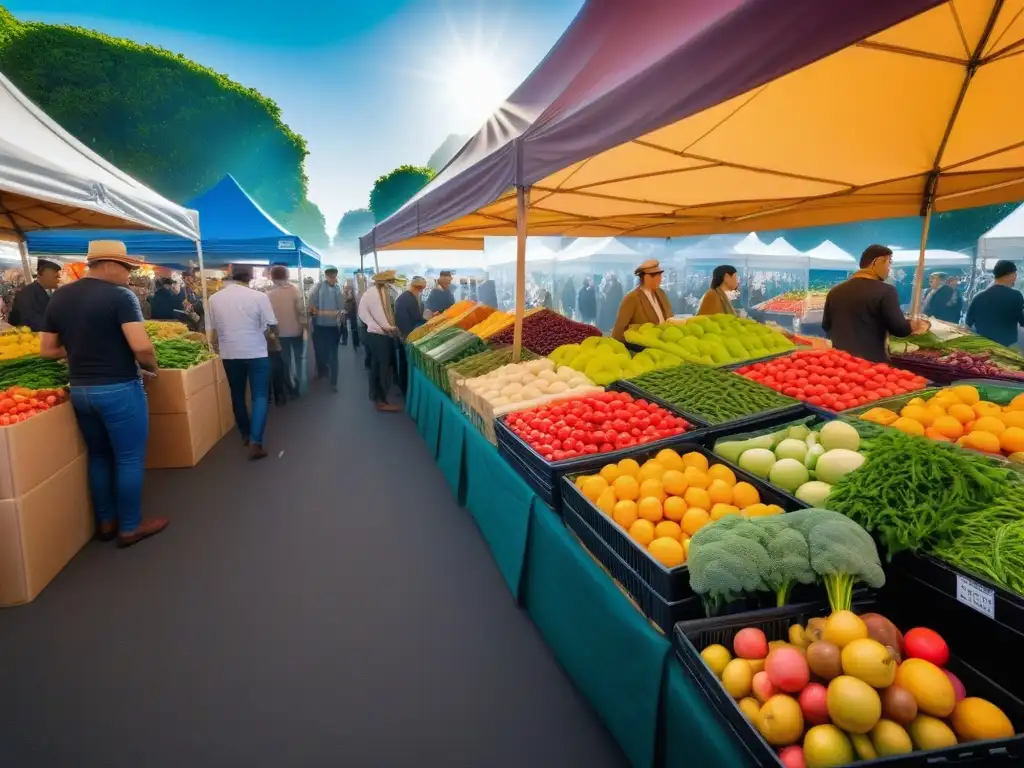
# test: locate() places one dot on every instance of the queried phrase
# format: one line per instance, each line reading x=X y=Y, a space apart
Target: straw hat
x=649 y=267
x=387 y=276
x=111 y=250
x=418 y=282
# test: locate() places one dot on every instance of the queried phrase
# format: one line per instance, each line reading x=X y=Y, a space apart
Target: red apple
x=793 y=757
x=813 y=702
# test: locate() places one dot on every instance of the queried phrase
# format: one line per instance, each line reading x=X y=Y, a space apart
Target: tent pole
x=376 y=266
x=206 y=298
x=23 y=250
x=521 y=206
x=915 y=306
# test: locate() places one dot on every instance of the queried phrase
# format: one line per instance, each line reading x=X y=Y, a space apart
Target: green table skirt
x=622 y=665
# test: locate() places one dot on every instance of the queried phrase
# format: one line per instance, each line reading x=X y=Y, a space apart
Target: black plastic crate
x=624 y=385
x=538 y=483
x=669 y=583
x=692 y=636
x=756 y=360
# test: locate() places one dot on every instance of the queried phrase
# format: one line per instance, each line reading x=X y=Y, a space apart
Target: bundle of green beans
x=180 y=353
x=33 y=372
x=485 y=362
x=711 y=394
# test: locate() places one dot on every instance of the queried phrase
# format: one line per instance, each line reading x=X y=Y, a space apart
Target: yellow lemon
x=989 y=424
x=918 y=413
x=966 y=394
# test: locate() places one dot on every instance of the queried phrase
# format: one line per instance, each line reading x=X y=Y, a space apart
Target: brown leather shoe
x=147 y=528
x=256 y=451
x=106 y=531
x=387 y=408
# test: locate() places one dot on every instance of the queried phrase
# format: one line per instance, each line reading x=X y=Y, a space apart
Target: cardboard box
x=227 y=414
x=36 y=449
x=42 y=531
x=182 y=439
x=218 y=370
x=170 y=391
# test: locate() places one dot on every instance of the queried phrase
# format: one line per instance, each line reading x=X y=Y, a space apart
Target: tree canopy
x=353 y=225
x=392 y=190
x=175 y=125
x=443 y=154
x=308 y=222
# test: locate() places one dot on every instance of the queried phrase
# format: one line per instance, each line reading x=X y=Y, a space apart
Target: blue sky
x=371 y=84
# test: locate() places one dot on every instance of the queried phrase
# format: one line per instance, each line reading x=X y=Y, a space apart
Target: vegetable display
x=607 y=360
x=711 y=339
x=18 y=342
x=959 y=414
x=714 y=395
x=851 y=687
x=442 y=320
x=165 y=329
x=33 y=372
x=179 y=354
x=832 y=379
x=947 y=338
x=520 y=385
x=661 y=503
x=942 y=367
x=794 y=303
x=485 y=362
x=598 y=423
x=545 y=331
x=20 y=403
x=498 y=321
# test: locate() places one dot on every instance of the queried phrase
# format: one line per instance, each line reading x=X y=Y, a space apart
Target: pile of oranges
x=958 y=414
x=664 y=501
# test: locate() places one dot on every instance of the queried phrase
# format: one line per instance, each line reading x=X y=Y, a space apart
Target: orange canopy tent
x=743 y=115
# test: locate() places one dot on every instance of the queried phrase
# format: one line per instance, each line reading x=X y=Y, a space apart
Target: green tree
x=353 y=225
x=173 y=124
x=443 y=154
x=308 y=222
x=392 y=190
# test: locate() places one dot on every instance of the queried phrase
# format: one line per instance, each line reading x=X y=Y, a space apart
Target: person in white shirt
x=242 y=320
x=376 y=313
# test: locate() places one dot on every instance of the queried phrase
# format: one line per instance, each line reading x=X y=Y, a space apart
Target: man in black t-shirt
x=97 y=324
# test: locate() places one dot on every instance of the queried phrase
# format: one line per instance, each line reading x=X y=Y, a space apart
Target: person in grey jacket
x=408 y=317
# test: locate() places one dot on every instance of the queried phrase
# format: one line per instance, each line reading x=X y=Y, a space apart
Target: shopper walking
x=286 y=301
x=586 y=302
x=96 y=322
x=327 y=306
x=351 y=307
x=376 y=314
x=241 y=320
x=29 y=305
x=408 y=317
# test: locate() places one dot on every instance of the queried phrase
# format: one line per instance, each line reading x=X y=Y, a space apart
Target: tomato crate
x=690 y=637
x=669 y=583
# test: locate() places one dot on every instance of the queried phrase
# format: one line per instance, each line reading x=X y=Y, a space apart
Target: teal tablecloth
x=624 y=667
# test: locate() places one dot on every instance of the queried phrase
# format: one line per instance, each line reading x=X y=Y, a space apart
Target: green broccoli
x=726 y=561
x=841 y=552
x=789 y=563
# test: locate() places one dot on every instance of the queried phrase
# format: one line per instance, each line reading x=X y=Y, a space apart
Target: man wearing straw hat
x=376 y=314
x=96 y=322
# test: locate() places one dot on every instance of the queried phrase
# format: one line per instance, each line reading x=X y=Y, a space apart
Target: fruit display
x=711 y=339
x=941 y=367
x=545 y=331
x=177 y=353
x=740 y=557
x=797 y=459
x=442 y=320
x=796 y=303
x=33 y=372
x=20 y=403
x=516 y=386
x=670 y=496
x=497 y=321
x=946 y=339
x=710 y=394
x=595 y=423
x=165 y=329
x=18 y=342
x=959 y=414
x=607 y=360
x=851 y=687
x=832 y=379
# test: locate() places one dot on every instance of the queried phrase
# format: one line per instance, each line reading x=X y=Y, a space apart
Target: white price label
x=973 y=595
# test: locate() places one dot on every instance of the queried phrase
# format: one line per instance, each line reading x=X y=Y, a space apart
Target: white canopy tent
x=505 y=253
x=830 y=256
x=1005 y=240
x=607 y=248
x=933 y=257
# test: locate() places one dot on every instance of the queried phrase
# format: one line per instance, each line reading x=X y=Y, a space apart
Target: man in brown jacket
x=646 y=303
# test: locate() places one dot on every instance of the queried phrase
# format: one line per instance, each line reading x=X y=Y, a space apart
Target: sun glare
x=473 y=88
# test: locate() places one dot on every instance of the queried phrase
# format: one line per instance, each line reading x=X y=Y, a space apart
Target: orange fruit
x=756 y=510
x=609 y=472
x=918 y=401
x=674 y=508
x=744 y=494
x=936 y=411
x=934 y=434
x=649 y=508
x=1017 y=404
x=985 y=408
x=669 y=459
x=642 y=531
x=626 y=488
x=718 y=511
x=775 y=509
x=962 y=413
x=593 y=487
x=667 y=551
x=909 y=426
x=606 y=501
x=1012 y=440
x=696 y=479
x=720 y=492
x=674 y=482
x=694 y=520
x=651 y=470
x=624 y=513
x=948 y=426
x=989 y=424
x=1012 y=418
x=966 y=394
x=652 y=488
x=667 y=528
x=918 y=413
x=982 y=441
x=723 y=473
x=580 y=480
x=696 y=460
x=697 y=497
x=629 y=467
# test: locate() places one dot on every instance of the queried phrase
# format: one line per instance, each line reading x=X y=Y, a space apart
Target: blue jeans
x=325 y=346
x=254 y=373
x=114 y=420
x=291 y=347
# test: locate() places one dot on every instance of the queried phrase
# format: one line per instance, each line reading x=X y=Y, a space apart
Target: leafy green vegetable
x=33 y=372
x=180 y=353
x=726 y=561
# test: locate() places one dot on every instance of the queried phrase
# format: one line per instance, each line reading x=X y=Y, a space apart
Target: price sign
x=974 y=595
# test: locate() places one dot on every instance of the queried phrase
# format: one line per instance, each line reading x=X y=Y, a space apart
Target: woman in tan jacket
x=715 y=301
x=646 y=303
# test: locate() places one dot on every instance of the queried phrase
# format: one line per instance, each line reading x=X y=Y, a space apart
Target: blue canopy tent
x=234 y=228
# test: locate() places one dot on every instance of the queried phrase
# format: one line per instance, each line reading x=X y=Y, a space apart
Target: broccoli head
x=726 y=561
x=842 y=553
x=789 y=563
